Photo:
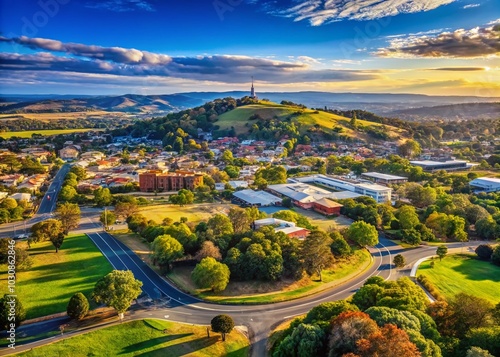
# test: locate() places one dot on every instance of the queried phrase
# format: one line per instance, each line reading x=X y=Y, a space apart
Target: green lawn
x=147 y=338
x=28 y=134
x=193 y=212
x=341 y=272
x=54 y=277
x=463 y=273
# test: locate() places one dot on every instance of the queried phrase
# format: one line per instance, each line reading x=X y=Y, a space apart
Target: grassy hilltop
x=307 y=120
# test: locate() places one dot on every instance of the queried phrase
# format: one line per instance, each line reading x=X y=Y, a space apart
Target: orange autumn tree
x=388 y=341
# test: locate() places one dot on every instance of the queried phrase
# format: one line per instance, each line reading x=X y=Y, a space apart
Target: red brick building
x=327 y=207
x=170 y=181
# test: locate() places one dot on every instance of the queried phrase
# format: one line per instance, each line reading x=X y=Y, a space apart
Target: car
x=22 y=236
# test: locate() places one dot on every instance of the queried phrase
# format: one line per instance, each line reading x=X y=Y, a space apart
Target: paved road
x=46 y=207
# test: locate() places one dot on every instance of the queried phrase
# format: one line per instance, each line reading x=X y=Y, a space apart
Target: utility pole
x=105 y=219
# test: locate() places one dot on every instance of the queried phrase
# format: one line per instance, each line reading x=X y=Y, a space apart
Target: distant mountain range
x=405 y=106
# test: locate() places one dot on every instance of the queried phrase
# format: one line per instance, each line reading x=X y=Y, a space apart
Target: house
x=327 y=207
x=21 y=196
x=69 y=152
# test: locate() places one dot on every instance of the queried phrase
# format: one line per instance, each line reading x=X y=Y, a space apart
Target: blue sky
x=162 y=46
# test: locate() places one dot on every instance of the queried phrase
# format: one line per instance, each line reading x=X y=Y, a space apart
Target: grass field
x=28 y=134
x=147 y=338
x=256 y=292
x=54 y=277
x=238 y=117
x=463 y=273
x=193 y=212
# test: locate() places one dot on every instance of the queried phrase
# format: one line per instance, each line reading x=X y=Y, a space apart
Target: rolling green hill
x=307 y=120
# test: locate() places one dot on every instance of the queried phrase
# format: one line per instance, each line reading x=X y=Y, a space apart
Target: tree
x=347 y=329
x=305 y=341
x=165 y=250
x=227 y=157
x=69 y=214
x=487 y=228
x=240 y=220
x=477 y=352
x=316 y=253
x=79 y=172
x=7 y=304
x=78 y=306
x=182 y=198
x=441 y=251
x=495 y=257
x=388 y=341
x=9 y=203
x=328 y=310
x=67 y=193
x=57 y=240
x=178 y=145
x=137 y=222
x=484 y=251
x=102 y=197
x=232 y=171
x=222 y=324
x=468 y=312
x=117 y=290
x=46 y=230
x=107 y=218
x=126 y=209
x=362 y=233
x=407 y=217
x=209 y=273
x=410 y=149
x=208 y=249
x=399 y=261
x=410 y=236
x=340 y=248
x=220 y=225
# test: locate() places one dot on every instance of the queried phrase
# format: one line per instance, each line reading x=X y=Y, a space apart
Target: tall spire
x=252 y=91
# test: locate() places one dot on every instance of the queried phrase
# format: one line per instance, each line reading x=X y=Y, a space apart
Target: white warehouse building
x=485 y=184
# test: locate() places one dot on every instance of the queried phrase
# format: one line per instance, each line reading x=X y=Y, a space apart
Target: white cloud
x=472 y=43
x=319 y=12
x=133 y=62
x=469 y=6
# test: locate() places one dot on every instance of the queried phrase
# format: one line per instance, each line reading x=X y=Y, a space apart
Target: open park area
x=147 y=338
x=259 y=292
x=48 y=285
x=463 y=273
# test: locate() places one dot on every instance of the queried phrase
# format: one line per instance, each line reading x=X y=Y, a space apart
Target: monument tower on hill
x=252 y=91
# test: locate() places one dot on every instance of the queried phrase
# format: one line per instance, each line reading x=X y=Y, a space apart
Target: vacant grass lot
x=28 y=134
x=147 y=338
x=463 y=273
x=258 y=292
x=193 y=212
x=54 y=277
